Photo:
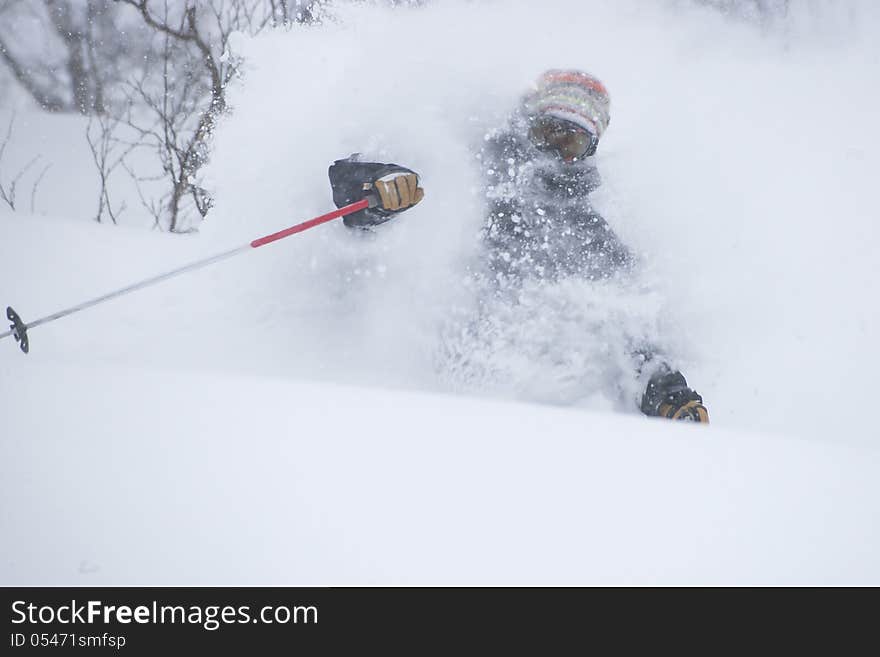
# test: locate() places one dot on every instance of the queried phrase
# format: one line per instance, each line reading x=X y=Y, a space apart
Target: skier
x=539 y=174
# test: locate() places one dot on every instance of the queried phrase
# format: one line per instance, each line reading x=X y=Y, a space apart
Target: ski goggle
x=569 y=141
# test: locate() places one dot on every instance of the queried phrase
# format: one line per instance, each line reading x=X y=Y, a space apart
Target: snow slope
x=255 y=480
x=280 y=418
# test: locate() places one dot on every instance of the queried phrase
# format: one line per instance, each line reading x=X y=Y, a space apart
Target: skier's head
x=567 y=112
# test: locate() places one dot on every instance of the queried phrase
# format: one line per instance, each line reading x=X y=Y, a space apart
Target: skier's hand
x=390 y=188
x=691 y=411
x=669 y=396
x=398 y=191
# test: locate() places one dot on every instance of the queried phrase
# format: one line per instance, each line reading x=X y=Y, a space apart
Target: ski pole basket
x=18 y=329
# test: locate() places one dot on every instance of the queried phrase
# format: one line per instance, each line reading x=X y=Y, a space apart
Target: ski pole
x=18 y=329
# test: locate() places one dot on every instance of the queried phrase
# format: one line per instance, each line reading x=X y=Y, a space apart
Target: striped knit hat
x=572 y=96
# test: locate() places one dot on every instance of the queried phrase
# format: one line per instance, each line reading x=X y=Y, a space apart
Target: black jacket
x=541 y=223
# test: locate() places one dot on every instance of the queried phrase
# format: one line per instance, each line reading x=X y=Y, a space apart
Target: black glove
x=668 y=395
x=390 y=187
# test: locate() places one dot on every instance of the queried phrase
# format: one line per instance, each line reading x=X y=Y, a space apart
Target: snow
x=284 y=418
x=263 y=480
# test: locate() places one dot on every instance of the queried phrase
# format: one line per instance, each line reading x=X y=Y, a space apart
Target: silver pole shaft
x=135 y=286
x=363 y=204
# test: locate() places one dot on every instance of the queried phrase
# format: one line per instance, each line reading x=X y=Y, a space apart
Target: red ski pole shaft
x=18 y=329
x=363 y=204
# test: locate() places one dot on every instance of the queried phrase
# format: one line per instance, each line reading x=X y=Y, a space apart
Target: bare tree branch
x=8 y=190
x=36 y=186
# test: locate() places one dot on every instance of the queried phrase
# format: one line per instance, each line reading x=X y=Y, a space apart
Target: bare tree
x=173 y=106
x=181 y=109
x=156 y=70
x=9 y=188
x=64 y=53
x=108 y=154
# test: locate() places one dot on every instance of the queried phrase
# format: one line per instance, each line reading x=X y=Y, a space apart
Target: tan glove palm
x=399 y=191
x=692 y=411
